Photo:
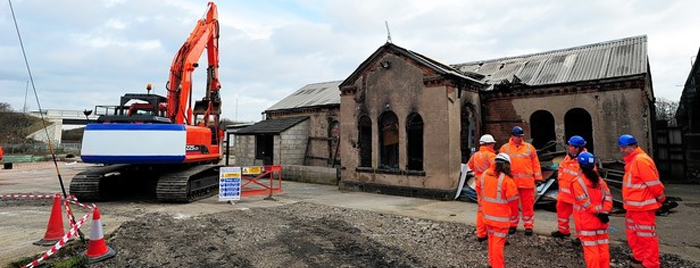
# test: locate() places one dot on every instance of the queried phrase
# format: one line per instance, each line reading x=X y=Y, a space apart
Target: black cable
x=41 y=115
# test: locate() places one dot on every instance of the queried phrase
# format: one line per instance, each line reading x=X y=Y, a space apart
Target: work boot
x=634 y=263
x=482 y=239
x=528 y=232
x=558 y=234
x=576 y=242
x=511 y=230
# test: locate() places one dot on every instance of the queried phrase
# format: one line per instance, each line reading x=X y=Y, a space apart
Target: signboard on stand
x=229 y=183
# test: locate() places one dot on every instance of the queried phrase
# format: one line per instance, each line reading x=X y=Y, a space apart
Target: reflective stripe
x=497 y=234
x=565 y=190
x=495 y=218
x=645 y=234
x=498 y=199
x=563 y=220
x=580 y=197
x=538 y=174
x=603 y=241
x=589 y=243
x=642 y=203
x=646 y=227
x=587 y=204
x=588 y=233
x=513 y=198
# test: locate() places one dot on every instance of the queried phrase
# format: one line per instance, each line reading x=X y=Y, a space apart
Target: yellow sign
x=231 y=175
x=252 y=170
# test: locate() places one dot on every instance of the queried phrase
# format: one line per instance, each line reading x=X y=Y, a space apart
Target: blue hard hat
x=626 y=140
x=577 y=141
x=586 y=159
x=517 y=131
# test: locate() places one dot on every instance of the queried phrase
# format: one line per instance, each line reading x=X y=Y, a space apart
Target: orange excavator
x=160 y=143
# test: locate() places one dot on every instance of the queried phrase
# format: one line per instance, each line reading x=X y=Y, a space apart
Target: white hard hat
x=503 y=157
x=486 y=139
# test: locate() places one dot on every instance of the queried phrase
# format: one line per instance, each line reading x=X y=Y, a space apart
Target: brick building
x=404 y=122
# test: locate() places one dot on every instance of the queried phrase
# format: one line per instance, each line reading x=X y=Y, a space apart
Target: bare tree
x=666 y=110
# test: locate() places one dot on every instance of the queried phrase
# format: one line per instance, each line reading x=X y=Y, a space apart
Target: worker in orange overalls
x=567 y=172
x=479 y=162
x=498 y=191
x=593 y=203
x=642 y=195
x=525 y=167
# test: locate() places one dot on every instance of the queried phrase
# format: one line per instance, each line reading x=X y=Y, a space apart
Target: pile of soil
x=311 y=235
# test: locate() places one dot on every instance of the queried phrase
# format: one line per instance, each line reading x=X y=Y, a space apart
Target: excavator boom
x=158 y=138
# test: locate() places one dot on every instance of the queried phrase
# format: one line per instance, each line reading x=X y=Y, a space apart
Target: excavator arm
x=179 y=100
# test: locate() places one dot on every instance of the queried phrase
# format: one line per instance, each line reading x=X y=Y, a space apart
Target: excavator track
x=189 y=184
x=175 y=184
x=90 y=185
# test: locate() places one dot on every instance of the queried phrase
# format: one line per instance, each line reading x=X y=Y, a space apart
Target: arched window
x=414 y=148
x=577 y=121
x=365 y=141
x=388 y=141
x=542 y=130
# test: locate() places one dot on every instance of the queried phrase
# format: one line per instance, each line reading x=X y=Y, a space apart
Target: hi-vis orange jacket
x=524 y=163
x=641 y=188
x=591 y=200
x=497 y=192
x=481 y=160
x=566 y=174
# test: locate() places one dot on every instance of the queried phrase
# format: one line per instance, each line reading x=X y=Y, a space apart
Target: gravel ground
x=310 y=235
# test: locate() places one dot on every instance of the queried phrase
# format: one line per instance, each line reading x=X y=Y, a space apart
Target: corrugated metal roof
x=318 y=94
x=609 y=59
x=271 y=126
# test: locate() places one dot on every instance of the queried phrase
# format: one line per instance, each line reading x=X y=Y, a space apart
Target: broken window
x=365 y=141
x=414 y=132
x=389 y=141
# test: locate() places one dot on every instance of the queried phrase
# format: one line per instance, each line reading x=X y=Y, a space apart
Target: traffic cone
x=97 y=248
x=54 y=230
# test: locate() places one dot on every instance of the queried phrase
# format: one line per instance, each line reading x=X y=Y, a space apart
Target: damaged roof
x=617 y=58
x=272 y=126
x=311 y=95
x=438 y=67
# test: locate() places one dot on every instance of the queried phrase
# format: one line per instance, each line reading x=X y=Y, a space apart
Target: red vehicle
x=161 y=140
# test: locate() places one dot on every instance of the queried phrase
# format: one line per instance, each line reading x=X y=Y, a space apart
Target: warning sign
x=252 y=170
x=229 y=183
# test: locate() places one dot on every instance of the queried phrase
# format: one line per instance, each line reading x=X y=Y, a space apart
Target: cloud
x=83 y=54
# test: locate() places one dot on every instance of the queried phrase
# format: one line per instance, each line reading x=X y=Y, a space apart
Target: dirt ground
x=312 y=235
x=313 y=226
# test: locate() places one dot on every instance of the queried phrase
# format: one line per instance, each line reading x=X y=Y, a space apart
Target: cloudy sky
x=87 y=53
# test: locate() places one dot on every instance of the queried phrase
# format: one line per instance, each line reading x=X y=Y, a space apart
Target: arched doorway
x=542 y=130
x=467 y=131
x=577 y=121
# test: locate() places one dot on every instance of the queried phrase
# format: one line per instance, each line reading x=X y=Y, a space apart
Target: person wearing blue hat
x=525 y=166
x=566 y=174
x=642 y=195
x=592 y=206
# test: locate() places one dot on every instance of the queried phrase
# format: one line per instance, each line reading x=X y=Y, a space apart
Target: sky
x=86 y=53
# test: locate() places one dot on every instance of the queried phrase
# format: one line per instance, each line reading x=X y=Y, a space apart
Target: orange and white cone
x=54 y=230
x=97 y=248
